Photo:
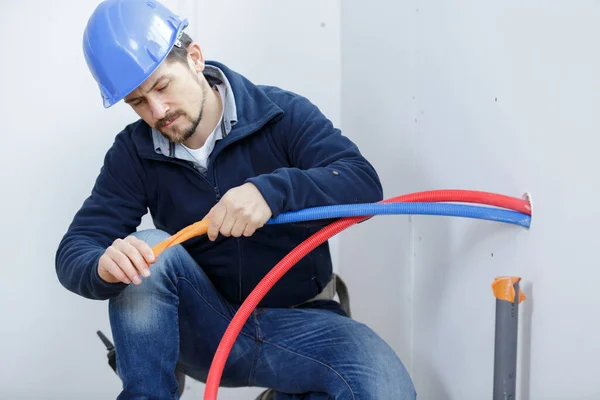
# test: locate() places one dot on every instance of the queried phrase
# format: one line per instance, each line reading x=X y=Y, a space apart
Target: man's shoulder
x=288 y=100
x=257 y=99
x=278 y=94
x=133 y=140
x=134 y=133
x=133 y=129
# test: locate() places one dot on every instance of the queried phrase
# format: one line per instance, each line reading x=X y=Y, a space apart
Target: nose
x=158 y=108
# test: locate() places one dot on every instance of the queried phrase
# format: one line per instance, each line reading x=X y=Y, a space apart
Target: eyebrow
x=162 y=78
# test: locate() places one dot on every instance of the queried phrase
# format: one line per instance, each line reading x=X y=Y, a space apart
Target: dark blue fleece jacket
x=281 y=143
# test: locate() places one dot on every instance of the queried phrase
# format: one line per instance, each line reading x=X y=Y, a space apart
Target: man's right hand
x=125 y=260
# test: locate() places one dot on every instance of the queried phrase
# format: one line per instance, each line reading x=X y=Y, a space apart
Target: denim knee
x=166 y=259
x=151 y=236
x=388 y=378
x=138 y=302
x=372 y=370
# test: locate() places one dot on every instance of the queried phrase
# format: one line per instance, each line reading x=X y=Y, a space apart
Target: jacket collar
x=246 y=110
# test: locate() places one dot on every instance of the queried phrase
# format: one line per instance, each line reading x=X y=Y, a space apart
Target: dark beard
x=176 y=135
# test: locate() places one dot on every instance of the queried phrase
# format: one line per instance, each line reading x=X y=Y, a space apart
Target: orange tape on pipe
x=504 y=288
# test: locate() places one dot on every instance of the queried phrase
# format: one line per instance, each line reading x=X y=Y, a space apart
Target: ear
x=195 y=56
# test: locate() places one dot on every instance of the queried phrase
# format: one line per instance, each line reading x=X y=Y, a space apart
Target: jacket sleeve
x=113 y=210
x=327 y=168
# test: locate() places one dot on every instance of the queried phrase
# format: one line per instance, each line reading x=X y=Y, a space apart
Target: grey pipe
x=505 y=352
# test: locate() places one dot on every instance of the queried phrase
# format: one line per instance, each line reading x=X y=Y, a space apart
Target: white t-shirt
x=201 y=155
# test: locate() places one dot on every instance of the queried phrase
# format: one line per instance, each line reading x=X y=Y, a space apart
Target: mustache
x=168 y=117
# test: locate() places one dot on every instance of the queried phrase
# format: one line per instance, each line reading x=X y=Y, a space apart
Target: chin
x=178 y=137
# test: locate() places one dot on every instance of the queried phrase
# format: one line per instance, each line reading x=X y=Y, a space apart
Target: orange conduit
x=196 y=229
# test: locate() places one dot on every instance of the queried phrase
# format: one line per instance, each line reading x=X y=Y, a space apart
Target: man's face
x=171 y=100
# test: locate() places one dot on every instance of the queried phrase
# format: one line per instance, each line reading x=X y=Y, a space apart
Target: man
x=210 y=143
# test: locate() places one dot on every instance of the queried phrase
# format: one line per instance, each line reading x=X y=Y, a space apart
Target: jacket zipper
x=214 y=165
x=215 y=187
x=237 y=240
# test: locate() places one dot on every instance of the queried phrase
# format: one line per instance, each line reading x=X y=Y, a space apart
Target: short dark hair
x=180 y=53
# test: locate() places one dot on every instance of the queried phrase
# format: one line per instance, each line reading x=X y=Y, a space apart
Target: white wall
x=410 y=81
x=496 y=96
x=54 y=137
x=378 y=46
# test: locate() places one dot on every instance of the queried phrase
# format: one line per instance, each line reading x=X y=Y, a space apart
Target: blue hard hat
x=125 y=41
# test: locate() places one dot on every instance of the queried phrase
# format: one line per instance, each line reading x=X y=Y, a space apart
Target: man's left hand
x=240 y=212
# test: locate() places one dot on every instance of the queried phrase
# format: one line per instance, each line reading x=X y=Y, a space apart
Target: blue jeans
x=176 y=317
